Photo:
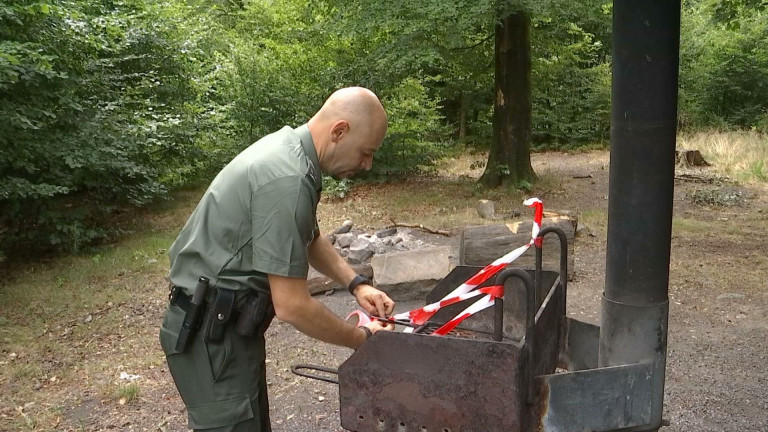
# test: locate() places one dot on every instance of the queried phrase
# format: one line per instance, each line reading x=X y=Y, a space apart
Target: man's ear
x=339 y=129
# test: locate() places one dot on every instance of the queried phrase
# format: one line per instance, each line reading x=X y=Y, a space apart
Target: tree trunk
x=509 y=160
x=463 y=116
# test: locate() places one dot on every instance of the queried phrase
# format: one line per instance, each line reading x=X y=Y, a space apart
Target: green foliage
x=100 y=110
x=724 y=69
x=335 y=189
x=729 y=12
x=111 y=104
x=414 y=132
x=571 y=75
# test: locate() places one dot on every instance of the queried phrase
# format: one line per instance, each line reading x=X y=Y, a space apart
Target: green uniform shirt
x=257 y=217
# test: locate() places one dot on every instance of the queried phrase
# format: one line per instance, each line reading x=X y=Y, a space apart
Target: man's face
x=354 y=152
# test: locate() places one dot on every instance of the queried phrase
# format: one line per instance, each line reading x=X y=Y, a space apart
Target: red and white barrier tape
x=465 y=291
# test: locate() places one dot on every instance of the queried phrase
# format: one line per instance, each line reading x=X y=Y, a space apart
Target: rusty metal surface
x=409 y=382
x=594 y=400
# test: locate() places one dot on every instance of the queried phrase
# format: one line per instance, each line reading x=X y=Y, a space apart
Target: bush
x=723 y=70
x=414 y=134
x=99 y=111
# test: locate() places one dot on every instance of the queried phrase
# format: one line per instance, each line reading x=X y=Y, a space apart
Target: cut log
x=481 y=245
x=690 y=158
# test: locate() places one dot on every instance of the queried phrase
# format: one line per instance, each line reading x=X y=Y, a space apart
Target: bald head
x=347 y=130
x=354 y=104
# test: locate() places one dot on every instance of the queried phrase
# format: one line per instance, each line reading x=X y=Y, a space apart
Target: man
x=248 y=245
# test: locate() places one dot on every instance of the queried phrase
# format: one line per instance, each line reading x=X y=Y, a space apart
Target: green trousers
x=223 y=385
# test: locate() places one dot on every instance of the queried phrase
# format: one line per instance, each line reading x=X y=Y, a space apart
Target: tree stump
x=690 y=158
x=481 y=245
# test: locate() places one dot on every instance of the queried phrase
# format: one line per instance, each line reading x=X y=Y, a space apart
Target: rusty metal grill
x=478 y=378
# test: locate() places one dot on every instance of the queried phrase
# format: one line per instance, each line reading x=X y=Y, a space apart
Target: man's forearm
x=325 y=259
x=319 y=322
x=294 y=305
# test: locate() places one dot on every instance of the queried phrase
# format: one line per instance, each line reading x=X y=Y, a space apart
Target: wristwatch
x=359 y=279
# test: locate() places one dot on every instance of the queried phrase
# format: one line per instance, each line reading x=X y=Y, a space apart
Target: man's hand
x=374 y=301
x=377 y=325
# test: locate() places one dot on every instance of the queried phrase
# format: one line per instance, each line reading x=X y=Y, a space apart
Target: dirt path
x=716 y=378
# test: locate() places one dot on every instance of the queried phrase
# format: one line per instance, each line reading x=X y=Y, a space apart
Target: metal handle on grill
x=298 y=370
x=530 y=321
x=563 y=261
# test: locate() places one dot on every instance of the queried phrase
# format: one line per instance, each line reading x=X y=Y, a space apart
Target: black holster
x=246 y=322
x=253 y=314
x=193 y=313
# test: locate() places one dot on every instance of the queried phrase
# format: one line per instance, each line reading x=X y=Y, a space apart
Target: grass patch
x=127 y=393
x=547 y=182
x=21 y=370
x=40 y=295
x=596 y=219
x=690 y=226
x=741 y=155
x=55 y=313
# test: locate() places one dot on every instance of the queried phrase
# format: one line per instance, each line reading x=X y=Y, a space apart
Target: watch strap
x=359 y=279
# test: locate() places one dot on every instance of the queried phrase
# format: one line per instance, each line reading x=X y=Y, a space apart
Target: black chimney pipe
x=646 y=38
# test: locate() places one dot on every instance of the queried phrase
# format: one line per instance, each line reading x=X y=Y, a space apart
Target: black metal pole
x=646 y=36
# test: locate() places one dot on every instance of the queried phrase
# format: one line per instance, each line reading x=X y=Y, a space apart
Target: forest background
x=111 y=104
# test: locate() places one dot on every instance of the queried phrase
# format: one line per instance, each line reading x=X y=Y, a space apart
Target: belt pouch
x=221 y=312
x=253 y=314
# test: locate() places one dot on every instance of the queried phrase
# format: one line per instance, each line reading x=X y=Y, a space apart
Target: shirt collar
x=309 y=149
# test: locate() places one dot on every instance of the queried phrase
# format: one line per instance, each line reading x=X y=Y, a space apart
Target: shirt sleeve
x=283 y=225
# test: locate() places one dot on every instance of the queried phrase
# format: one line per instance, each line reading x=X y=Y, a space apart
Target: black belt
x=178 y=298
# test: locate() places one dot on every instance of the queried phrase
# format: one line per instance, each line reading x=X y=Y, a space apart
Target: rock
x=386 y=232
x=358 y=256
x=380 y=247
x=409 y=275
x=344 y=228
x=370 y=238
x=361 y=243
x=486 y=209
x=360 y=250
x=583 y=231
x=331 y=238
x=344 y=240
